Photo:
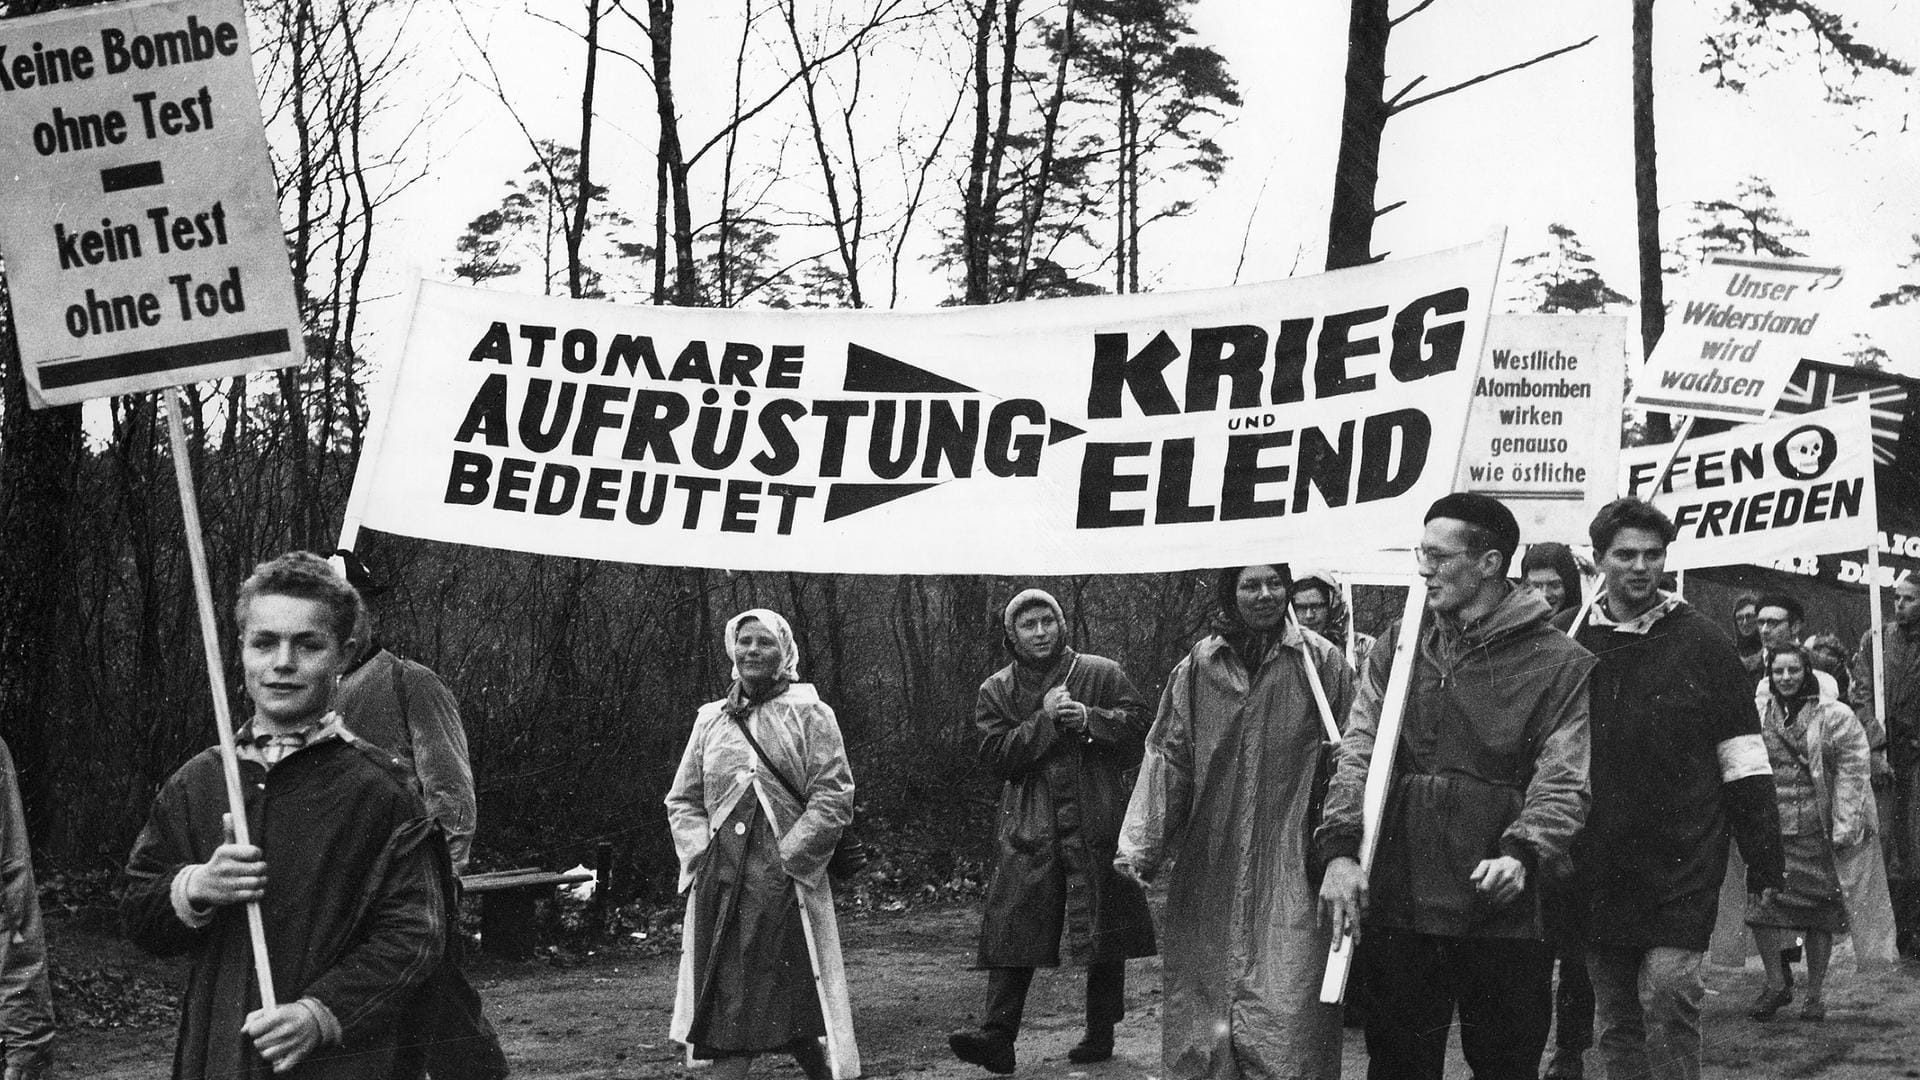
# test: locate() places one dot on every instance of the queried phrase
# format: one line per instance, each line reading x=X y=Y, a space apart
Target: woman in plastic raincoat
x=1223 y=797
x=760 y=966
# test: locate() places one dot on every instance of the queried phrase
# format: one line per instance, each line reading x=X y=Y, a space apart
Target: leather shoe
x=1566 y=1064
x=1095 y=1047
x=1814 y=1009
x=1769 y=1001
x=991 y=1052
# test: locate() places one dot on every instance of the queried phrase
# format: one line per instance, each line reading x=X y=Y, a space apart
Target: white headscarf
x=789 y=652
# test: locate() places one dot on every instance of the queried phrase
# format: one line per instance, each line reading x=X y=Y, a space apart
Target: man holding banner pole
x=1678 y=762
x=1489 y=784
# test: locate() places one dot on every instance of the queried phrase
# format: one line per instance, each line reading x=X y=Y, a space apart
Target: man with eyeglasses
x=1678 y=763
x=1489 y=784
x=1781 y=620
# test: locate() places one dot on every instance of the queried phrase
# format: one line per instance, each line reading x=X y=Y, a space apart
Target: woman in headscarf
x=1819 y=756
x=1062 y=729
x=1223 y=796
x=1321 y=606
x=760 y=966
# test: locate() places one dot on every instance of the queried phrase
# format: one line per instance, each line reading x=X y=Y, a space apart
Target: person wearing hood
x=757 y=806
x=1489 y=786
x=1319 y=606
x=1223 y=800
x=1061 y=729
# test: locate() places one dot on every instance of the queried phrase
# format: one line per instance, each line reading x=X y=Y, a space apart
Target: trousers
x=1501 y=987
x=1648 y=1004
x=1007 y=996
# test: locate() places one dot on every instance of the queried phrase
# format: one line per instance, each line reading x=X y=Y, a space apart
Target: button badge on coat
x=739 y=828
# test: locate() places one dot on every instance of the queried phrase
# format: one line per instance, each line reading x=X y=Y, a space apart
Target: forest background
x=873 y=153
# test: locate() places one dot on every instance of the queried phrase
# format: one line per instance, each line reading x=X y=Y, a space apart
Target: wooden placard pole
x=216 y=678
x=1876 y=612
x=1386 y=740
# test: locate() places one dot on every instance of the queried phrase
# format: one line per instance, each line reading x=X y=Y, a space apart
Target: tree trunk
x=973 y=230
x=583 y=186
x=1646 y=203
x=1362 y=120
x=38 y=476
x=686 y=282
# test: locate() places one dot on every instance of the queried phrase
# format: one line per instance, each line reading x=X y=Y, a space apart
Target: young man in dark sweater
x=1677 y=764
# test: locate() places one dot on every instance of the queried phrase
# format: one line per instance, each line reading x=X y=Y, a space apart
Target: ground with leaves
x=601 y=1014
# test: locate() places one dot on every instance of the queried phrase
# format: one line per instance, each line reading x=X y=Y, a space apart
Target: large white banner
x=1798 y=485
x=1295 y=420
x=138 y=213
x=1543 y=435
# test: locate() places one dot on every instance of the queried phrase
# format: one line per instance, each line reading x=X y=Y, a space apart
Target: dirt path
x=607 y=1019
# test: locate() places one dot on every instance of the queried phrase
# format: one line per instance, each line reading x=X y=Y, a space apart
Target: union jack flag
x=1818 y=386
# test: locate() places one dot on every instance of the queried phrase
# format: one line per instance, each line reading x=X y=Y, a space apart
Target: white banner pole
x=216 y=679
x=1328 y=722
x=1386 y=740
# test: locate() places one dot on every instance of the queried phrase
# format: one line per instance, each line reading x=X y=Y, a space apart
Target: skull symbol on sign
x=1804 y=454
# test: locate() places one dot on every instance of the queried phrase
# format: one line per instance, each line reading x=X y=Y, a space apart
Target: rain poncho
x=719 y=769
x=1222 y=796
x=1819 y=756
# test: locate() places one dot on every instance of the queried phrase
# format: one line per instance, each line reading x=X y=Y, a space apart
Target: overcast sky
x=1549 y=144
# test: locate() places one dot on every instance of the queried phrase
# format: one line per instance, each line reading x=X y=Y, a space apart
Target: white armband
x=1743 y=756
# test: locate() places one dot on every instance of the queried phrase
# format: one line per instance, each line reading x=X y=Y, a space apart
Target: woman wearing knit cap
x=756 y=809
x=1223 y=797
x=1062 y=729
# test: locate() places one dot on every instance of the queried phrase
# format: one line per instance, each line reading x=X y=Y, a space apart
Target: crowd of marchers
x=1565 y=774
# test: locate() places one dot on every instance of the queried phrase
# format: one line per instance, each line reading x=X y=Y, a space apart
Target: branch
x=1409 y=13
x=1491 y=75
x=1394 y=101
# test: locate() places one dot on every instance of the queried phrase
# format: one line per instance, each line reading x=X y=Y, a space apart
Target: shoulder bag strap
x=741 y=719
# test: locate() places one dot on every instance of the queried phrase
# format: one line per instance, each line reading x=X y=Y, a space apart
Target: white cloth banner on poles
x=1543 y=435
x=1301 y=419
x=1800 y=484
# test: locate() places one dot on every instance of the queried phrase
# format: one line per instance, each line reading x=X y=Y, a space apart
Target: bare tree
x=1364 y=118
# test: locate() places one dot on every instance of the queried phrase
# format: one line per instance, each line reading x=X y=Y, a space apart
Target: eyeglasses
x=1434 y=557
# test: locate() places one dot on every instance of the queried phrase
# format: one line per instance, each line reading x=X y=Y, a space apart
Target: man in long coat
x=1062 y=729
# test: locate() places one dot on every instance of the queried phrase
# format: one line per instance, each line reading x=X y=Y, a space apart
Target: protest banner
x=1731 y=345
x=1303 y=418
x=1543 y=433
x=1793 y=486
x=139 y=218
